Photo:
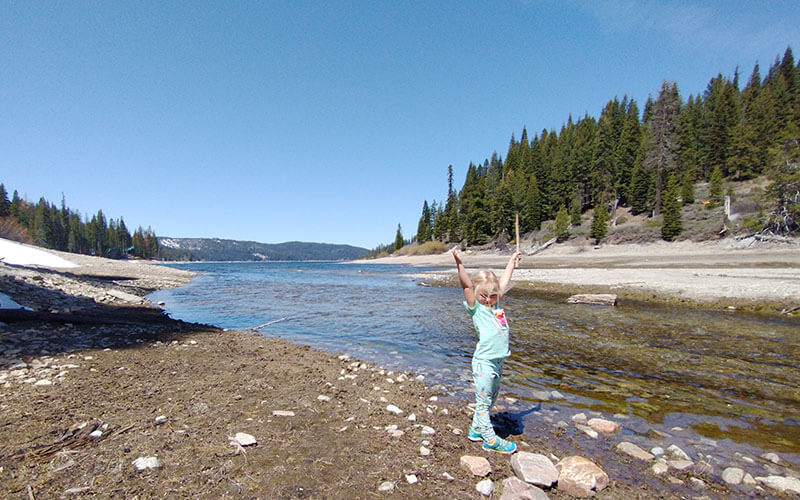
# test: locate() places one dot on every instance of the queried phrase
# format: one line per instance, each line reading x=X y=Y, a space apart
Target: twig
x=270 y=323
x=30 y=493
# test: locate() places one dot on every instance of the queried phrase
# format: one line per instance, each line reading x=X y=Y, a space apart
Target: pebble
x=428 y=431
x=634 y=451
x=448 y=477
x=579 y=418
x=282 y=413
x=412 y=417
x=602 y=425
x=675 y=452
x=657 y=451
x=485 y=487
x=386 y=486
x=733 y=475
x=323 y=398
x=680 y=464
x=534 y=468
x=143 y=463
x=161 y=419
x=477 y=466
x=244 y=439
x=660 y=467
x=772 y=457
x=394 y=409
x=580 y=477
x=411 y=479
x=43 y=382
x=782 y=484
x=587 y=430
x=424 y=451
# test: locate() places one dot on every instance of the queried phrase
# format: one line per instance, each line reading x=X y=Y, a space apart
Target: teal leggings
x=486 y=374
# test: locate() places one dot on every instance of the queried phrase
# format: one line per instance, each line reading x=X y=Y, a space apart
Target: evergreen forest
x=60 y=228
x=648 y=160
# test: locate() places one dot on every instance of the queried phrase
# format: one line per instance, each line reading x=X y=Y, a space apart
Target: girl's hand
x=516 y=257
x=454 y=251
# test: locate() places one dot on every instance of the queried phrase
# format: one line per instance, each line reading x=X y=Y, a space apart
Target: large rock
x=579 y=477
x=634 y=451
x=478 y=466
x=517 y=489
x=534 y=468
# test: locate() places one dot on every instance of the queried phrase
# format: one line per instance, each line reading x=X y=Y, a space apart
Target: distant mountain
x=226 y=250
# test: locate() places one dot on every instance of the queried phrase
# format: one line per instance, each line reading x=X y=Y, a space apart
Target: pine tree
x=5 y=205
x=660 y=158
x=687 y=187
x=398 y=239
x=599 y=222
x=715 y=187
x=672 y=224
x=424 y=226
x=575 y=212
x=562 y=224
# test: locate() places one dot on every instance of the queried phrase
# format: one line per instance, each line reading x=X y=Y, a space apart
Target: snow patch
x=18 y=254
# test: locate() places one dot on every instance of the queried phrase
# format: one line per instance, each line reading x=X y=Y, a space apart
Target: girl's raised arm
x=463 y=278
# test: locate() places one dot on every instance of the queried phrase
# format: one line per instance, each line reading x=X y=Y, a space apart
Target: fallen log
x=541 y=247
x=600 y=299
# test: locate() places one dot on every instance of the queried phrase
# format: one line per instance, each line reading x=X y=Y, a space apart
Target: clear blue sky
x=327 y=121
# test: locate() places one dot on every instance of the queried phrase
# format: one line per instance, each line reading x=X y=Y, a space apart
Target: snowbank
x=18 y=254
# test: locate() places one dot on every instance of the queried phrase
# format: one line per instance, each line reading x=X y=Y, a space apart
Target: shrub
x=428 y=248
x=11 y=229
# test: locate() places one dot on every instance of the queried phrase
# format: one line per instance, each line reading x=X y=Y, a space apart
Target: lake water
x=730 y=381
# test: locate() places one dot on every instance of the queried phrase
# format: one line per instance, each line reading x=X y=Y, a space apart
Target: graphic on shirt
x=500 y=317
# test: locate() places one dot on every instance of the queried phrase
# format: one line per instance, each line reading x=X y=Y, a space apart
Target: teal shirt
x=492 y=332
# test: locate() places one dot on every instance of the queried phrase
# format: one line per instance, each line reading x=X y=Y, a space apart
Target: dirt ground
x=155 y=387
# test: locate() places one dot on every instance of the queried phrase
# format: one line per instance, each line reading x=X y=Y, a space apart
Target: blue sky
x=327 y=121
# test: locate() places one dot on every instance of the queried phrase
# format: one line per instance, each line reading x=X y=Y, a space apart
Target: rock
x=697 y=483
x=534 y=468
x=394 y=409
x=477 y=466
x=703 y=467
x=77 y=491
x=680 y=464
x=428 y=431
x=448 y=477
x=243 y=439
x=634 y=451
x=161 y=419
x=323 y=398
x=43 y=382
x=782 y=484
x=602 y=425
x=557 y=395
x=283 y=413
x=733 y=475
x=657 y=451
x=541 y=395
x=579 y=418
x=143 y=463
x=660 y=467
x=678 y=453
x=749 y=480
x=412 y=417
x=517 y=489
x=96 y=433
x=587 y=430
x=579 y=477
x=386 y=486
x=485 y=487
x=424 y=451
x=772 y=457
x=411 y=479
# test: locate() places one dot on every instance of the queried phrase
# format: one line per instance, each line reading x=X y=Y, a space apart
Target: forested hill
x=213 y=249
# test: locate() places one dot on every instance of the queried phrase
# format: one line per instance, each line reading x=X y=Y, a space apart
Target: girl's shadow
x=507 y=423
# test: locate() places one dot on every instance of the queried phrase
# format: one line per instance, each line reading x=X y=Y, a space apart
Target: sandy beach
x=104 y=396
x=728 y=272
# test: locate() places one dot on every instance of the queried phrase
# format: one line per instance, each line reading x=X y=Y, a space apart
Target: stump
x=600 y=299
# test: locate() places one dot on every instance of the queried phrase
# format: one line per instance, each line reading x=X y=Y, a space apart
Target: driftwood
x=541 y=247
x=600 y=299
x=259 y=327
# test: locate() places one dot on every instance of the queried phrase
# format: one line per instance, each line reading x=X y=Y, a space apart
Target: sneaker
x=500 y=445
x=474 y=435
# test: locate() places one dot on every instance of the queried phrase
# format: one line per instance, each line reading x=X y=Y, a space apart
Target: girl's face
x=487 y=299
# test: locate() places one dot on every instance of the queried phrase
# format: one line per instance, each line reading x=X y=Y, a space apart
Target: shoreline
x=123 y=376
x=717 y=275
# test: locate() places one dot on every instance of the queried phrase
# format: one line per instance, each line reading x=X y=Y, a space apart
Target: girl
x=482 y=295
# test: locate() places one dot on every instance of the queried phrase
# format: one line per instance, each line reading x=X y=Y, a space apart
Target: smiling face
x=487 y=298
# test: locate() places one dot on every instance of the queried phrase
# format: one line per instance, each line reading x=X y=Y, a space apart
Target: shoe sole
x=503 y=452
x=475 y=439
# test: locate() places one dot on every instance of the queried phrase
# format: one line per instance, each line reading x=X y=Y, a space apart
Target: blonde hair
x=486 y=281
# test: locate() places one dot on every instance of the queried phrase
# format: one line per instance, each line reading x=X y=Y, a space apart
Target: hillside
x=214 y=249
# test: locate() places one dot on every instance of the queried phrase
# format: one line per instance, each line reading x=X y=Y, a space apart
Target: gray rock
x=634 y=451
x=780 y=483
x=733 y=475
x=144 y=463
x=772 y=457
x=386 y=486
x=579 y=418
x=517 y=489
x=680 y=464
x=485 y=487
x=394 y=409
x=657 y=451
x=660 y=467
x=534 y=468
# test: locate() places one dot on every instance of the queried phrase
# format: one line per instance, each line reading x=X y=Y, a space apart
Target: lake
x=724 y=381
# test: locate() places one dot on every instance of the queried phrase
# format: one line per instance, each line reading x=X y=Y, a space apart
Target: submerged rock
x=634 y=451
x=780 y=483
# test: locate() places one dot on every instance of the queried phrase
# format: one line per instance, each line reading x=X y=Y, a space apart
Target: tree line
x=61 y=228
x=648 y=161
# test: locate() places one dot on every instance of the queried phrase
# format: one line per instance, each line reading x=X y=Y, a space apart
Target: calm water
x=725 y=377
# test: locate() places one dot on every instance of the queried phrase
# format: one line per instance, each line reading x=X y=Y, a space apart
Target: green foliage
x=575 y=213
x=672 y=224
x=425 y=226
x=715 y=187
x=428 y=248
x=599 y=222
x=562 y=224
x=398 y=238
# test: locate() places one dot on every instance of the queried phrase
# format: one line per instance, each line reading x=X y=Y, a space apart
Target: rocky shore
x=108 y=397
